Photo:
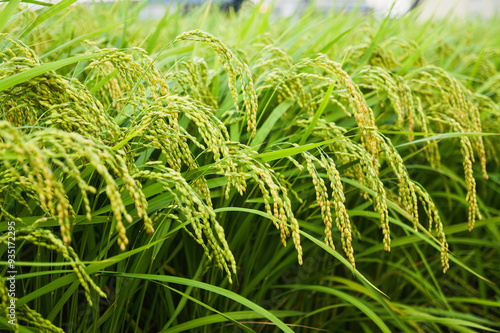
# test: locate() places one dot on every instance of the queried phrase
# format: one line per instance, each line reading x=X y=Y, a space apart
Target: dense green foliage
x=155 y=169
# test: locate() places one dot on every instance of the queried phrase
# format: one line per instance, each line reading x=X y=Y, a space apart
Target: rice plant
x=156 y=159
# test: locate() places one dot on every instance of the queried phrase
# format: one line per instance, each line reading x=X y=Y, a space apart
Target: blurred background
x=427 y=8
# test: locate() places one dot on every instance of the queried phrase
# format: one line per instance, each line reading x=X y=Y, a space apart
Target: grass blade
x=348 y=298
x=48 y=13
x=268 y=125
x=279 y=154
x=318 y=114
x=42 y=69
x=208 y=287
x=7 y=12
x=236 y=315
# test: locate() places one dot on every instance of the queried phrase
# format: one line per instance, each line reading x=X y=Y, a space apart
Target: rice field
x=221 y=171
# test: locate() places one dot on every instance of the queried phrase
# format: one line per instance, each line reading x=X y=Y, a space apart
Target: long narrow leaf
x=208 y=287
x=7 y=12
x=42 y=69
x=48 y=13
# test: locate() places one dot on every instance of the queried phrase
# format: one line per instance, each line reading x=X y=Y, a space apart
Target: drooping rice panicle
x=234 y=68
x=46 y=239
x=28 y=161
